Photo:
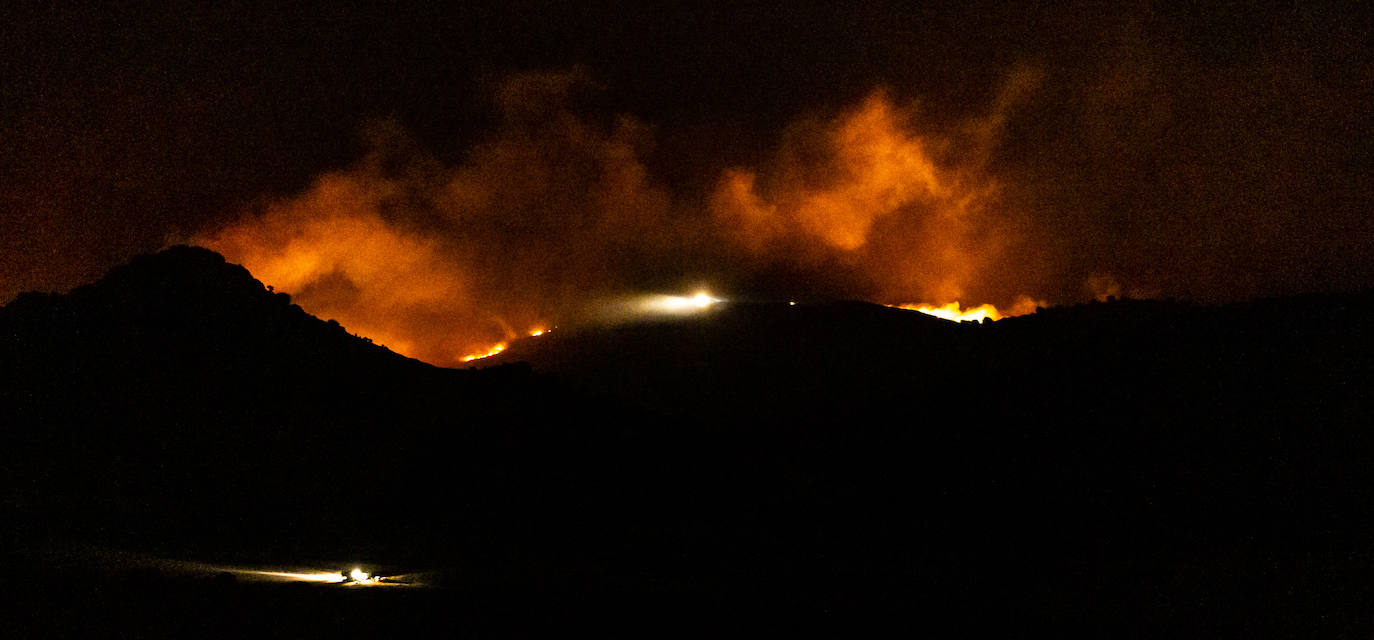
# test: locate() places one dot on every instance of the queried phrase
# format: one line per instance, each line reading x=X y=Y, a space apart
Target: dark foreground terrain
x=1133 y=468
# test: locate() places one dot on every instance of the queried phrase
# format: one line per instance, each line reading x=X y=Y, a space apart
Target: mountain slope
x=178 y=394
x=1087 y=464
x=184 y=303
x=746 y=361
x=1136 y=465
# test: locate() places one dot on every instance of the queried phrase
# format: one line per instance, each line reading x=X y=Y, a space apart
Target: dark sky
x=1205 y=152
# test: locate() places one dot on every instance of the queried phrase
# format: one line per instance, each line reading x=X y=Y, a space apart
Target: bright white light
x=358 y=575
x=678 y=304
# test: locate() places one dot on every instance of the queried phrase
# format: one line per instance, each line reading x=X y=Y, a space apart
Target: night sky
x=1206 y=153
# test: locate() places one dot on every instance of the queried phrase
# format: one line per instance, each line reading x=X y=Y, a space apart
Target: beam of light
x=290 y=576
x=353 y=577
x=677 y=305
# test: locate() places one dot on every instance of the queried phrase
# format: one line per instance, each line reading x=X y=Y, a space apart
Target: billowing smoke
x=557 y=211
x=899 y=153
x=904 y=212
x=1045 y=189
x=440 y=261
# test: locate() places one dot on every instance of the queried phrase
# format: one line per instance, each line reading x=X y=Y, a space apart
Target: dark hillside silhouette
x=1084 y=464
x=1135 y=466
x=178 y=400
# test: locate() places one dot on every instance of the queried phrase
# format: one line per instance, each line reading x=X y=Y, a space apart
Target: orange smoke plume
x=868 y=193
x=440 y=262
x=341 y=259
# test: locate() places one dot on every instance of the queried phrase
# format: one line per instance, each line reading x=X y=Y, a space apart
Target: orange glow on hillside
x=495 y=349
x=440 y=261
x=448 y=263
x=952 y=311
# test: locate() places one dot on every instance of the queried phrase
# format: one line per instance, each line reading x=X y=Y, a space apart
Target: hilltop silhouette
x=187 y=303
x=179 y=400
x=1138 y=466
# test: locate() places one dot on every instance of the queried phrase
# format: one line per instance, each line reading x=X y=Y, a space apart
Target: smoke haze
x=557 y=211
x=521 y=161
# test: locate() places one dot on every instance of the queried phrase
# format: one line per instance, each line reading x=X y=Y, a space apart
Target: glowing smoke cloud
x=447 y=263
x=441 y=262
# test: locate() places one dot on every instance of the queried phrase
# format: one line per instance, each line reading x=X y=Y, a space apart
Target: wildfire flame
x=952 y=311
x=495 y=349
